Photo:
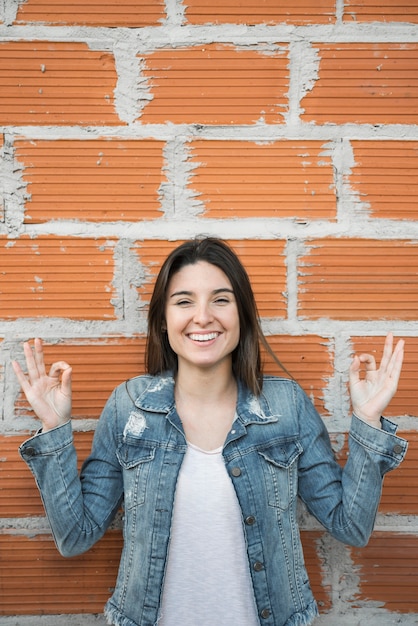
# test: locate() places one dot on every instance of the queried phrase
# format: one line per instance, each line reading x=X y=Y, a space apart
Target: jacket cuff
x=47 y=443
x=383 y=441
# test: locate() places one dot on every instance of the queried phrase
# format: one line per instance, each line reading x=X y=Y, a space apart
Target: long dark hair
x=246 y=359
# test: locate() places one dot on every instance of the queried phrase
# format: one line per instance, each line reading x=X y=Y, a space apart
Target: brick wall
x=287 y=128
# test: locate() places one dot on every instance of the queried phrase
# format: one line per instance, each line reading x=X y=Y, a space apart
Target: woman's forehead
x=200 y=275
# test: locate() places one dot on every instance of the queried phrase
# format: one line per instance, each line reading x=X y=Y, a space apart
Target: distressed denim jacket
x=277 y=449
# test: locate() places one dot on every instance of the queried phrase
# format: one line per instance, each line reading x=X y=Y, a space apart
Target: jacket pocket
x=281 y=472
x=135 y=460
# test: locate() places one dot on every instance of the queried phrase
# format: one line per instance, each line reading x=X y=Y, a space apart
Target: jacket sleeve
x=345 y=500
x=79 y=507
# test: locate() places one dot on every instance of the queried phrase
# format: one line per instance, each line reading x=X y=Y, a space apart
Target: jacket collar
x=158 y=397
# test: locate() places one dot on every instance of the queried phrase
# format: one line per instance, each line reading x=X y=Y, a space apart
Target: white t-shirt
x=207 y=581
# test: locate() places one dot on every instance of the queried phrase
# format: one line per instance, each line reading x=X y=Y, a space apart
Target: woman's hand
x=371 y=395
x=48 y=394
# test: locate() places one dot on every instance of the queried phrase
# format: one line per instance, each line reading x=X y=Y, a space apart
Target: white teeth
x=200 y=337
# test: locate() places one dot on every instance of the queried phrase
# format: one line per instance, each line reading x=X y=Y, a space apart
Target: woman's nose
x=202 y=314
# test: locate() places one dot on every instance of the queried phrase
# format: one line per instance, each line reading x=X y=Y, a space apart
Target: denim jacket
x=277 y=449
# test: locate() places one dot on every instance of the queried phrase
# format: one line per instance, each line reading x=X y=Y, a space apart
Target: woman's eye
x=222 y=300
x=183 y=302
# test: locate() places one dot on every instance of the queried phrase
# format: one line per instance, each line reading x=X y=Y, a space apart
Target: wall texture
x=287 y=128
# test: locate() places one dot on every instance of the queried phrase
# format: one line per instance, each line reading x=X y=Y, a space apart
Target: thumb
x=66 y=381
x=354 y=371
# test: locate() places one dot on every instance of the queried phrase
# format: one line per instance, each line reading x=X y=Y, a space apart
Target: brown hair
x=246 y=360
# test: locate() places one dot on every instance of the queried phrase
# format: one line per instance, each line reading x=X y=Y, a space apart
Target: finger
x=395 y=365
x=66 y=381
x=354 y=371
x=369 y=362
x=387 y=352
x=39 y=356
x=57 y=369
x=399 y=348
x=355 y=363
x=31 y=363
x=20 y=375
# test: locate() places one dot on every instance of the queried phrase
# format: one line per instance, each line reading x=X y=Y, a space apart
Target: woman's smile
x=203 y=337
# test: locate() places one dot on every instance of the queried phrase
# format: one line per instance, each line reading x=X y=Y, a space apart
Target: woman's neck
x=206 y=405
x=206 y=385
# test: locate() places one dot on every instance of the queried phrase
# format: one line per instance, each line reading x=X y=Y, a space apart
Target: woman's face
x=202 y=316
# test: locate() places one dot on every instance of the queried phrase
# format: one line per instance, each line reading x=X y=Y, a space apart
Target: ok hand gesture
x=48 y=394
x=371 y=394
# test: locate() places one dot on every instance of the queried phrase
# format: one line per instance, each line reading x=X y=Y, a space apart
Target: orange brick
x=19 y=496
x=98 y=367
x=56 y=83
x=388 y=571
x=287 y=179
x=365 y=83
x=385 y=177
x=400 y=489
x=130 y=13
x=1 y=196
x=98 y=181
x=216 y=84
x=1 y=378
x=405 y=400
x=356 y=279
x=307 y=358
x=381 y=11
x=56 y=277
x=268 y=279
x=263 y=12
x=315 y=568
x=265 y=264
x=51 y=583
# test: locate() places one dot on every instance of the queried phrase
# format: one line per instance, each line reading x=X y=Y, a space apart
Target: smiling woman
x=209 y=458
x=236 y=287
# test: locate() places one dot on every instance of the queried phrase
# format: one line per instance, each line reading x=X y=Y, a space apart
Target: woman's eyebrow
x=222 y=289
x=184 y=292
x=181 y=293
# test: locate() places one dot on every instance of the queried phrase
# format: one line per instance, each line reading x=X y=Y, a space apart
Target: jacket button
x=250 y=520
x=235 y=471
x=258 y=566
x=265 y=613
x=30 y=452
x=397 y=448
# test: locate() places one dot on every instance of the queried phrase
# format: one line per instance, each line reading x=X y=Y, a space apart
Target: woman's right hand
x=48 y=394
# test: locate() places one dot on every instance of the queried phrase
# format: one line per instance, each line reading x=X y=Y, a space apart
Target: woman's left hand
x=371 y=395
